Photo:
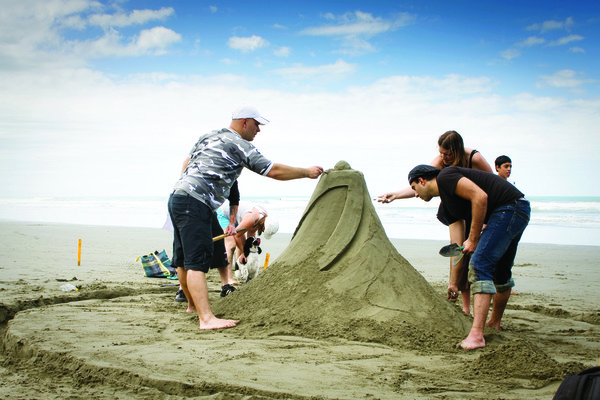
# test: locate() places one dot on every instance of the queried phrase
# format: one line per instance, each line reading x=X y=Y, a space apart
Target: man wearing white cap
x=213 y=165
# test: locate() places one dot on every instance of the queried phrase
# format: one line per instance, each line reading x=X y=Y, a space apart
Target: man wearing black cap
x=482 y=198
x=213 y=165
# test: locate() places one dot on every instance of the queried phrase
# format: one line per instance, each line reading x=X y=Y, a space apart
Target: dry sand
x=341 y=312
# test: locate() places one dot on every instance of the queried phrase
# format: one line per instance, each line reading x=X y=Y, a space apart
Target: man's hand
x=230 y=230
x=314 y=172
x=282 y=172
x=452 y=293
x=387 y=198
x=470 y=245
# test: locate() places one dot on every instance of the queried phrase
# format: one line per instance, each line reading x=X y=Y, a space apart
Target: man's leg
x=480 y=311
x=466 y=301
x=230 y=248
x=182 y=275
x=500 y=301
x=198 y=288
x=457 y=235
x=193 y=222
x=220 y=255
x=502 y=234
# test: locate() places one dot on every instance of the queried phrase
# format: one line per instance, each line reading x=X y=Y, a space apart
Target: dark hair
x=453 y=142
x=501 y=160
x=424 y=171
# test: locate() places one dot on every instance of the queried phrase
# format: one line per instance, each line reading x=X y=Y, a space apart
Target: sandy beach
x=121 y=335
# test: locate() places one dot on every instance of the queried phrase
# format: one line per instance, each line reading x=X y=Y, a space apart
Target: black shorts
x=194 y=225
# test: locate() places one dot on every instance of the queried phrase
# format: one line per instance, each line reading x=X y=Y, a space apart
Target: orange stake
x=266 y=261
x=79 y=253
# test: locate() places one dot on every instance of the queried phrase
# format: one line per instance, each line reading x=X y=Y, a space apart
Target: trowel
x=453 y=250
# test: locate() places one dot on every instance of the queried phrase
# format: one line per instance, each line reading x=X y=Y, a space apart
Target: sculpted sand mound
x=341 y=276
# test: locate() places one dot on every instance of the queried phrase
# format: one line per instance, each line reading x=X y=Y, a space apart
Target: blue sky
x=107 y=97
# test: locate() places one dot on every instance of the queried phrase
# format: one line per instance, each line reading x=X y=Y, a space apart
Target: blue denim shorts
x=490 y=268
x=194 y=225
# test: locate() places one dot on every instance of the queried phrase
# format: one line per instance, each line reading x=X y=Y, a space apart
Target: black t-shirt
x=499 y=191
x=234 y=195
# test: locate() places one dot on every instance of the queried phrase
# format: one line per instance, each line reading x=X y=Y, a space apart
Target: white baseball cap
x=247 y=111
x=271 y=227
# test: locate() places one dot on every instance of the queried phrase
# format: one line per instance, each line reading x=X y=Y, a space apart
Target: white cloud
x=565 y=40
x=576 y=50
x=136 y=17
x=55 y=117
x=352 y=29
x=509 y=54
x=247 y=44
x=31 y=33
x=157 y=39
x=565 y=78
x=74 y=22
x=150 y=41
x=213 y=9
x=359 y=23
x=551 y=25
x=61 y=115
x=334 y=71
x=530 y=41
x=283 y=51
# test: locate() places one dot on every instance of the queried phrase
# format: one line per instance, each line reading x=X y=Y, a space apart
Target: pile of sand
x=340 y=276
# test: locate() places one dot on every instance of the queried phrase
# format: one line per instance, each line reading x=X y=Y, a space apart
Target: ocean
x=554 y=220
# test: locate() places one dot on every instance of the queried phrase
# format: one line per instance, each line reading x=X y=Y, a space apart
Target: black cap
x=422 y=171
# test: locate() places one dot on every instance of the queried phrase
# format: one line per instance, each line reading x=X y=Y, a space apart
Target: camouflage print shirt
x=216 y=161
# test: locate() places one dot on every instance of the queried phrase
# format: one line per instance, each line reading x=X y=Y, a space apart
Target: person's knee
x=486 y=287
x=203 y=268
x=478 y=274
x=506 y=286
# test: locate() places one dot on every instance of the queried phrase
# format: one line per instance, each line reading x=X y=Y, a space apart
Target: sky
x=106 y=98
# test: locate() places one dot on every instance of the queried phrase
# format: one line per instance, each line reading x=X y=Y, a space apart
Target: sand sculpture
x=341 y=276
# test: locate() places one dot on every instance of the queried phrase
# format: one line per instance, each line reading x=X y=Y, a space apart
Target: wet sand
x=121 y=335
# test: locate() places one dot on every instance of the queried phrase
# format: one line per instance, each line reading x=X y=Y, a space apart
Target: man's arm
x=467 y=189
x=407 y=193
x=283 y=172
x=231 y=229
x=185 y=164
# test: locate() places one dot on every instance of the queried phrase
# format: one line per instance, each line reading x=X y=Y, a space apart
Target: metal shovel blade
x=457 y=259
x=451 y=250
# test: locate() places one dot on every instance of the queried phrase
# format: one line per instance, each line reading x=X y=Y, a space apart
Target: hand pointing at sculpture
x=284 y=172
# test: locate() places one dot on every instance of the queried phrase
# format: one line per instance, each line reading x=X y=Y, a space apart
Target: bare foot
x=467 y=311
x=217 y=323
x=493 y=325
x=471 y=343
x=191 y=309
x=513 y=292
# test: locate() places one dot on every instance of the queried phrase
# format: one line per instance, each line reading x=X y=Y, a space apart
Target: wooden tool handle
x=238 y=230
x=224 y=235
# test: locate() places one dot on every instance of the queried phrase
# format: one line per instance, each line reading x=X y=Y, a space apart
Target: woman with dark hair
x=452 y=153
